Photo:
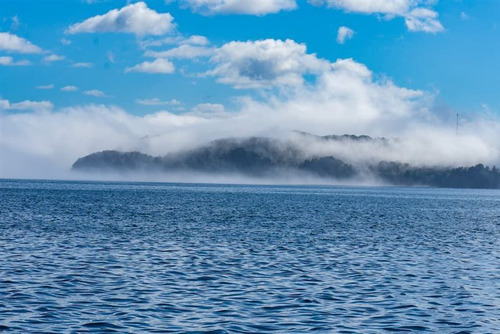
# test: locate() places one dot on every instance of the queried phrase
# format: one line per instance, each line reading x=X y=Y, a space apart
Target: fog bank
x=344 y=98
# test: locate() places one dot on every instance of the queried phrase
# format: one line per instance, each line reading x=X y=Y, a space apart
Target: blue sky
x=460 y=62
x=163 y=76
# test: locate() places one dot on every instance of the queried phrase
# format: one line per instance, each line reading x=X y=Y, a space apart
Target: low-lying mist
x=405 y=125
x=261 y=160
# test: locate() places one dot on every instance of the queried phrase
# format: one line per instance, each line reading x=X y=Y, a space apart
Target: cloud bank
x=297 y=90
x=345 y=97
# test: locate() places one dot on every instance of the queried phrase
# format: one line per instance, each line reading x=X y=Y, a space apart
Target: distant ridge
x=341 y=137
x=265 y=157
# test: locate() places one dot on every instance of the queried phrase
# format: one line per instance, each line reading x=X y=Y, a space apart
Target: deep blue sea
x=161 y=258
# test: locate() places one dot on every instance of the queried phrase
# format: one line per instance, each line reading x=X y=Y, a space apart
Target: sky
x=159 y=76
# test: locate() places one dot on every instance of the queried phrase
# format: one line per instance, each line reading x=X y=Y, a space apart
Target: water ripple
x=170 y=258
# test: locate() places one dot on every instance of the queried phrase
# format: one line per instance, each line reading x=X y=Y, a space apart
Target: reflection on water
x=131 y=257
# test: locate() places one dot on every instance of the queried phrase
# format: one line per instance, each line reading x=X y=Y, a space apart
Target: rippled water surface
x=132 y=257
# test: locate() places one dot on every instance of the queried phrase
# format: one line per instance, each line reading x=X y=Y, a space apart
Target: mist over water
x=305 y=159
x=286 y=177
x=422 y=147
x=345 y=99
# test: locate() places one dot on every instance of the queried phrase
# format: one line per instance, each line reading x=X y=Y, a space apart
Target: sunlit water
x=131 y=257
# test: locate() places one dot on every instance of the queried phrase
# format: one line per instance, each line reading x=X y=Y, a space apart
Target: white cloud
x=86 y=65
x=160 y=65
x=52 y=58
x=157 y=102
x=195 y=40
x=343 y=34
x=71 y=88
x=135 y=18
x=345 y=98
x=191 y=47
x=28 y=105
x=264 y=63
x=415 y=12
x=262 y=7
x=179 y=40
x=9 y=61
x=209 y=110
x=50 y=86
x=423 y=19
x=391 y=7
x=184 y=51
x=65 y=41
x=13 y=43
x=95 y=92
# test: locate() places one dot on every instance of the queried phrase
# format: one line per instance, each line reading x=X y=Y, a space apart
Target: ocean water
x=161 y=258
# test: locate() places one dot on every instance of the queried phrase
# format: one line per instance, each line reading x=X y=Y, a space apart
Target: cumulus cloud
x=13 y=43
x=135 y=18
x=9 y=61
x=50 y=86
x=343 y=34
x=423 y=19
x=344 y=98
x=262 y=7
x=157 y=102
x=415 y=12
x=26 y=105
x=70 y=88
x=157 y=66
x=264 y=63
x=95 y=92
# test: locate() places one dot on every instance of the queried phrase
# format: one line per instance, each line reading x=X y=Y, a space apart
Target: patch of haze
x=422 y=147
x=283 y=177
